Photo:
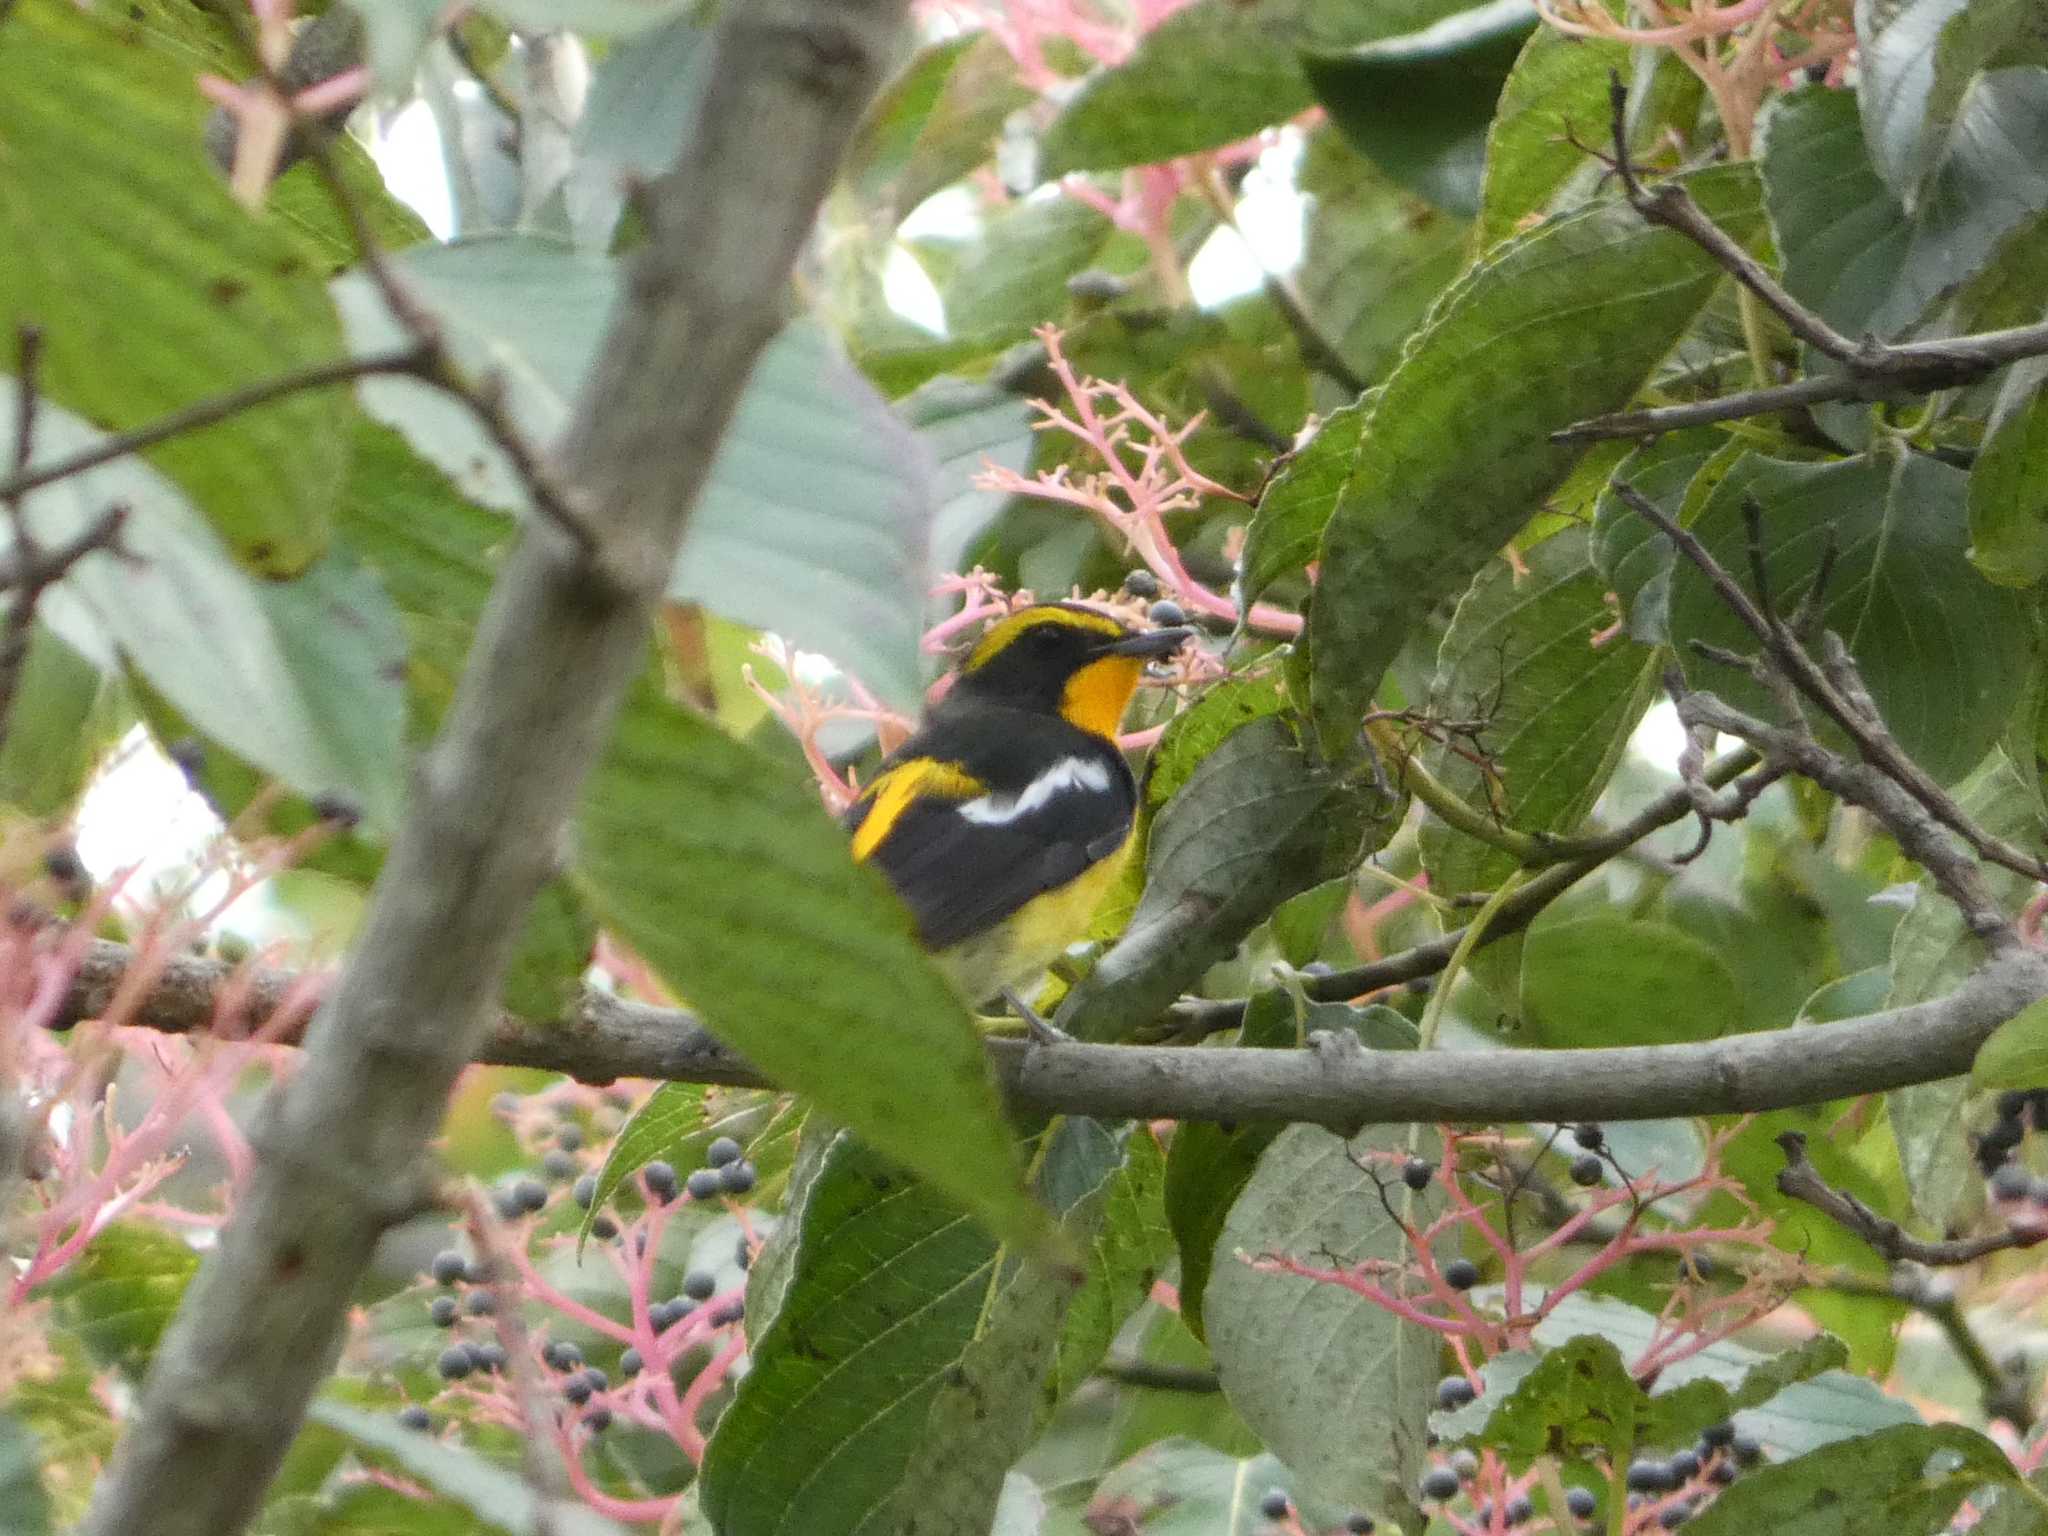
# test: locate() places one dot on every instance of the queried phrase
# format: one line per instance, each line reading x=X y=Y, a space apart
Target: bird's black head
x=1064 y=659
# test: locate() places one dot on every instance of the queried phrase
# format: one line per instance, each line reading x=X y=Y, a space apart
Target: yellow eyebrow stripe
x=901 y=787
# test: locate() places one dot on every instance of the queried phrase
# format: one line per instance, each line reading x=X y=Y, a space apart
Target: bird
x=1007 y=815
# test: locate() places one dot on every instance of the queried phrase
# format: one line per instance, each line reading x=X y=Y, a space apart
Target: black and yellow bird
x=1004 y=820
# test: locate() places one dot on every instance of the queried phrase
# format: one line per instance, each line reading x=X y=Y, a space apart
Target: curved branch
x=1330 y=1085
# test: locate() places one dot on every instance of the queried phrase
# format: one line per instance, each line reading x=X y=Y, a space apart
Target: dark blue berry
x=598 y=1420
x=722 y=1151
x=443 y=1311
x=1684 y=1467
x=1520 y=1508
x=413 y=1416
x=1718 y=1435
x=597 y=1379
x=1166 y=613
x=1723 y=1472
x=706 y=1184
x=1439 y=1483
x=570 y=1136
x=1454 y=1391
x=737 y=1178
x=1141 y=583
x=1359 y=1525
x=629 y=1364
x=490 y=1357
x=603 y=1228
x=1747 y=1450
x=558 y=1164
x=1650 y=1476
x=529 y=1195
x=661 y=1180
x=1675 y=1516
x=577 y=1390
x=1416 y=1174
x=700 y=1285
x=449 y=1267
x=562 y=1355
x=1587 y=1170
x=1581 y=1502
x=1274 y=1506
x=480 y=1303
x=455 y=1363
x=584 y=1190
x=1465 y=1464
x=731 y=1312
x=1461 y=1274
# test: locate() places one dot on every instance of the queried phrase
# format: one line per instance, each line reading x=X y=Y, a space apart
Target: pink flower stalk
x=1146 y=478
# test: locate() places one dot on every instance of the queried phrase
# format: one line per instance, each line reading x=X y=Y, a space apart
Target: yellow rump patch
x=895 y=791
x=1097 y=696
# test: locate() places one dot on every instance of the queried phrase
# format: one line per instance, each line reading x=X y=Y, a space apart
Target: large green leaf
x=65 y=715
x=1421 y=107
x=1607 y=979
x=899 y=1372
x=1932 y=953
x=1520 y=656
x=1374 y=258
x=816 y=518
x=1850 y=250
x=1800 y=1415
x=1015 y=276
x=1943 y=651
x=1129 y=1249
x=1181 y=1488
x=642 y=95
x=1556 y=93
x=1562 y=323
x=1918 y=62
x=717 y=864
x=1299 y=1358
x=1908 y=1478
x=935 y=122
x=1256 y=822
x=299 y=678
x=500 y=1498
x=119 y=1295
x=1300 y=499
x=152 y=287
x=2009 y=484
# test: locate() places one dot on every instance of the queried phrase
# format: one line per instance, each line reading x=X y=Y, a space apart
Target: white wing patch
x=1068 y=773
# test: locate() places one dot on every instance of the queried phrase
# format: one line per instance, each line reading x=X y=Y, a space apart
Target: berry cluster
x=1279 y=1509
x=1662 y=1492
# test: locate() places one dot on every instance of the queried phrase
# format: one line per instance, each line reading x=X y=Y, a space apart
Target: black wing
x=960 y=875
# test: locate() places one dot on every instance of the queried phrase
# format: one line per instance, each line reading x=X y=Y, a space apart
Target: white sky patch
x=407 y=148
x=1660 y=738
x=911 y=292
x=1268 y=237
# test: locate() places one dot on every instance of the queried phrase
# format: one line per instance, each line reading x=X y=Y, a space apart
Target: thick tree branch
x=605 y=1038
x=343 y=1145
x=1872 y=370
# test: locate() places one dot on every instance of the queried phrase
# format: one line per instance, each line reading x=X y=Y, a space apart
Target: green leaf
x=1520 y=656
x=1300 y=499
x=2009 y=483
x=935 y=122
x=1556 y=92
x=498 y=1496
x=160 y=268
x=1374 y=258
x=1562 y=323
x=1629 y=552
x=1209 y=1164
x=1939 y=646
x=667 y=1126
x=1129 y=1249
x=1181 y=1488
x=899 y=1373
x=1197 y=731
x=718 y=865
x=1206 y=76
x=1607 y=979
x=2016 y=1055
x=642 y=95
x=1016 y=275
x=298 y=678
x=1256 y=822
x=1850 y=250
x=1298 y=1357
x=1420 y=107
x=24 y=1507
x=966 y=426
x=1907 y=1478
x=1833 y=1405
x=120 y=1293
x=816 y=517
x=1917 y=63
x=65 y=715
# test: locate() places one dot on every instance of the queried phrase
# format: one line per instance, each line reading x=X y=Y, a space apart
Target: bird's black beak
x=1150 y=643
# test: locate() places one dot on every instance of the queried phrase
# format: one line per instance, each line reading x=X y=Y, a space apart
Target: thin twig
x=2005 y=1395
x=1874 y=370
x=209 y=412
x=1797 y=1180
x=1853 y=715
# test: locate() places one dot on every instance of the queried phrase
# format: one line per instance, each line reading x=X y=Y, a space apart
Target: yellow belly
x=1017 y=950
